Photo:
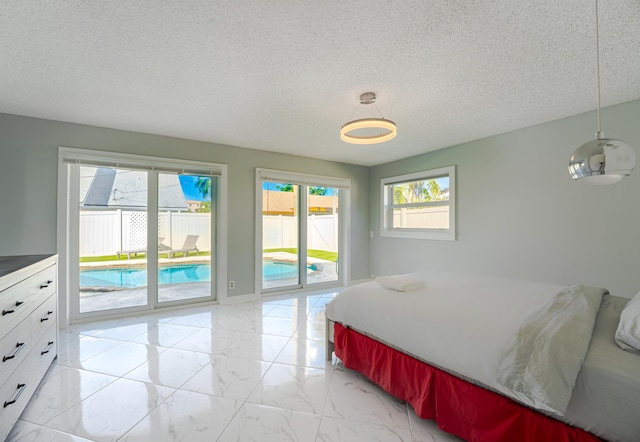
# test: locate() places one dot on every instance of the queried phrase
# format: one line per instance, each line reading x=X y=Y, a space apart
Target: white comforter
x=526 y=340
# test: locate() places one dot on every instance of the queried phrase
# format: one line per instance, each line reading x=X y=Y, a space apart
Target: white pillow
x=400 y=283
x=628 y=332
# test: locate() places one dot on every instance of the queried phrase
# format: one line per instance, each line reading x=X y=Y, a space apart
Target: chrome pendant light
x=368 y=130
x=603 y=160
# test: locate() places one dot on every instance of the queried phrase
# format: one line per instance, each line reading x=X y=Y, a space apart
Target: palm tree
x=317 y=190
x=284 y=187
x=313 y=190
x=416 y=192
x=203 y=184
x=435 y=192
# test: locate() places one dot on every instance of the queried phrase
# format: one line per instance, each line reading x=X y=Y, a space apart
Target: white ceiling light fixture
x=368 y=130
x=603 y=160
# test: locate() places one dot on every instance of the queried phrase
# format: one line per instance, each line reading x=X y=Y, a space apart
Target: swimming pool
x=282 y=270
x=136 y=277
x=176 y=274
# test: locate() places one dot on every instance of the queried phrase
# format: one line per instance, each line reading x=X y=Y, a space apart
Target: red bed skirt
x=458 y=407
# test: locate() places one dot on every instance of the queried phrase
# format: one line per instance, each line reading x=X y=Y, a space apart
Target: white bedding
x=606 y=397
x=462 y=323
x=542 y=362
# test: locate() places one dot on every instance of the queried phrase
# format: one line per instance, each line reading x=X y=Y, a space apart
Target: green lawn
x=320 y=254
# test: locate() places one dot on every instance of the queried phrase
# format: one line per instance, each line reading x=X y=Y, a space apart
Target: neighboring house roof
x=276 y=202
x=127 y=189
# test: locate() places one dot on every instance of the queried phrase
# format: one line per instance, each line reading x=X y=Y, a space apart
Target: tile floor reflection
x=243 y=372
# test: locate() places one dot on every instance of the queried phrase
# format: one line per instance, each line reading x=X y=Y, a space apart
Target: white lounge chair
x=188 y=246
x=161 y=249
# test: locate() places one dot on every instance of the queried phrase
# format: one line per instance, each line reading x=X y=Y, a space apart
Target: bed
x=494 y=359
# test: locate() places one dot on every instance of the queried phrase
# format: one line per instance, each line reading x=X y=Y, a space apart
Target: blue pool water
x=132 y=277
x=281 y=270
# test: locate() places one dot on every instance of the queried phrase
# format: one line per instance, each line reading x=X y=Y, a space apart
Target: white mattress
x=606 y=398
x=452 y=323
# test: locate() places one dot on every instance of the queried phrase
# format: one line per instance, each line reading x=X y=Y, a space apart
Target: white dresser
x=28 y=330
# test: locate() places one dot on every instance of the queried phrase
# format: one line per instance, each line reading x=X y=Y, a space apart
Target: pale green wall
x=28 y=180
x=520 y=215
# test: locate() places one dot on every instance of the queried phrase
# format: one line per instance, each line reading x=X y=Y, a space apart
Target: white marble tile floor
x=242 y=372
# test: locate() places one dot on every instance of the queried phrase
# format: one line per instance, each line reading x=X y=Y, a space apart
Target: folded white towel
x=400 y=283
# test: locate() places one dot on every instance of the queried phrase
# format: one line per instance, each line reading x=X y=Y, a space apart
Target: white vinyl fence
x=421 y=218
x=107 y=232
x=280 y=231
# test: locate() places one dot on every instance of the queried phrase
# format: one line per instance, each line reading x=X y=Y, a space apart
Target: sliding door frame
x=69 y=160
x=344 y=209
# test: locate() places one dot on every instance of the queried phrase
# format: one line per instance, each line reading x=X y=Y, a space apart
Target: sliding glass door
x=184 y=237
x=141 y=235
x=323 y=234
x=112 y=221
x=300 y=231
x=281 y=235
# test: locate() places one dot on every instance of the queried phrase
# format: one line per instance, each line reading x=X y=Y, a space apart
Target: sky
x=188 y=183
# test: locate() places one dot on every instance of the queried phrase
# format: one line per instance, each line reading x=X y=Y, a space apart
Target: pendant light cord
x=358 y=107
x=598 y=67
x=381 y=116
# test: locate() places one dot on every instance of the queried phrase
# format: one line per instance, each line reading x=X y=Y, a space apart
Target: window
x=419 y=205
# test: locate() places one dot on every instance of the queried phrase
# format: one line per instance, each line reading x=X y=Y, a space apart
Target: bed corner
x=329 y=338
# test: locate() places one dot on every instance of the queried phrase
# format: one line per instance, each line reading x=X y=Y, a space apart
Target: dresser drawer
x=28 y=330
x=43 y=284
x=47 y=347
x=20 y=386
x=43 y=316
x=14 y=348
x=19 y=300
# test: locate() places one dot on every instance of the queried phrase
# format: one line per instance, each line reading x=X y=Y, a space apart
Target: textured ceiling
x=285 y=75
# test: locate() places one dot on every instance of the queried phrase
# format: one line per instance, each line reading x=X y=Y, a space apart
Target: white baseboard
x=359 y=281
x=238 y=299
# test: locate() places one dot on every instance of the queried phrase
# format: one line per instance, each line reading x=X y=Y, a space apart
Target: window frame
x=387 y=206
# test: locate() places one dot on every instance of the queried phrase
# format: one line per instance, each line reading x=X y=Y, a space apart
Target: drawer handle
x=49 y=312
x=13 y=401
x=44 y=352
x=18 y=304
x=19 y=346
x=44 y=286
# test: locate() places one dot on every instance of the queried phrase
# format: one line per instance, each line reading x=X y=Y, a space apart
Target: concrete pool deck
x=93 y=301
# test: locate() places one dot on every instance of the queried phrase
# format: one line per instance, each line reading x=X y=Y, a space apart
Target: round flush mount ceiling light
x=368 y=130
